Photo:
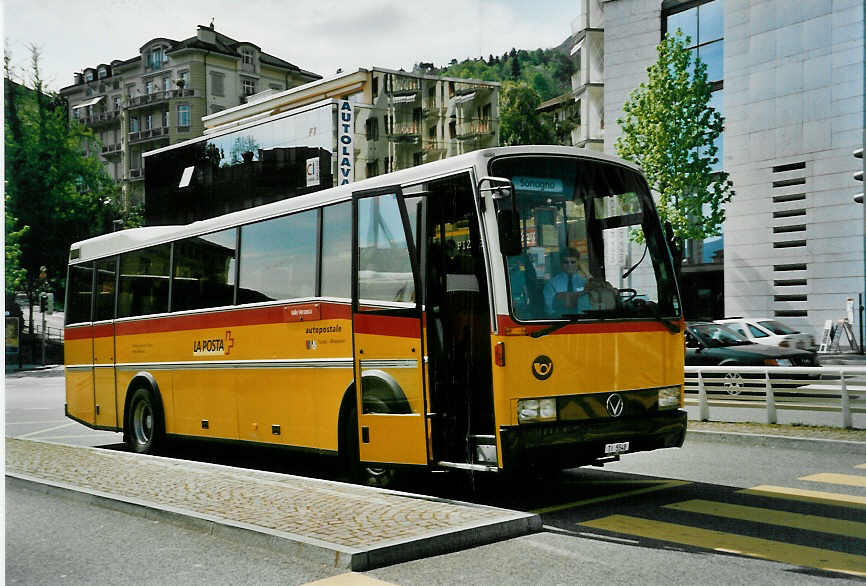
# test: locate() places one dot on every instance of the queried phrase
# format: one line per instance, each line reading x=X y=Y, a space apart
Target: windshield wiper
x=571 y=317
x=635 y=265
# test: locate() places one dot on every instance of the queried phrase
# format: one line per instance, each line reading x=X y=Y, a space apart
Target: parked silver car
x=770 y=332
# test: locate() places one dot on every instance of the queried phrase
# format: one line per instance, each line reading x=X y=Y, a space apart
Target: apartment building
x=788 y=79
x=159 y=97
x=332 y=131
x=582 y=108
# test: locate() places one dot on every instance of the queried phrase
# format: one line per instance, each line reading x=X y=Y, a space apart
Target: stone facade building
x=159 y=97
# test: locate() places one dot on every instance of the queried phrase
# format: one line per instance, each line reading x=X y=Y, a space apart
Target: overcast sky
x=319 y=36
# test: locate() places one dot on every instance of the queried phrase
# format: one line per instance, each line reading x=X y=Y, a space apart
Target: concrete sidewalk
x=337 y=524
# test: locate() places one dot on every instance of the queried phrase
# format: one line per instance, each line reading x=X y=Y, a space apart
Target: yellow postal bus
x=407 y=319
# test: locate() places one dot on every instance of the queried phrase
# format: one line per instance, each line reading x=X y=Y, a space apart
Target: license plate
x=617 y=448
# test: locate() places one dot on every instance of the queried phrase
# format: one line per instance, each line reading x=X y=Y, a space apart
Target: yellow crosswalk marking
x=773 y=517
x=845 y=479
x=809 y=496
x=798 y=555
x=658 y=485
x=349 y=579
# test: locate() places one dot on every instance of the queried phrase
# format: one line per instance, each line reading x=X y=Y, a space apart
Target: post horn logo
x=542 y=367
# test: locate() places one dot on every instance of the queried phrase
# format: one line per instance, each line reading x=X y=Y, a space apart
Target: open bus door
x=387 y=326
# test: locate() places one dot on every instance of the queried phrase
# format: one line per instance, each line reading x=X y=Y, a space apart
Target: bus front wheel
x=144 y=422
x=381 y=476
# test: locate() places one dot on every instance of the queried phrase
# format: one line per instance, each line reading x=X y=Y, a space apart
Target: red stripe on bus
x=386 y=325
x=220 y=319
x=506 y=323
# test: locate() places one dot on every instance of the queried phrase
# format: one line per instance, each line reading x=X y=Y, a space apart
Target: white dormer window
x=248 y=56
x=103 y=72
x=88 y=76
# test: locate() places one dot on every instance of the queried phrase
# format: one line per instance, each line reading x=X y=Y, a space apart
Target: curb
x=507 y=524
x=779 y=441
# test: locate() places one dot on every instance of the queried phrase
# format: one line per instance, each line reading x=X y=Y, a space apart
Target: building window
x=372 y=127
x=704 y=25
x=249 y=86
x=183 y=117
x=217 y=83
x=133 y=124
x=148 y=87
x=103 y=72
x=148 y=121
x=156 y=58
x=88 y=76
x=183 y=79
x=166 y=84
x=116 y=100
x=372 y=168
x=375 y=86
x=248 y=56
x=165 y=118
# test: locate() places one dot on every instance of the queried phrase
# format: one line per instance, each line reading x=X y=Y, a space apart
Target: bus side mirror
x=509 y=232
x=501 y=190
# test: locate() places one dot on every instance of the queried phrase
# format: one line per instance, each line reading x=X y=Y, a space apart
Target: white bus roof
x=137 y=238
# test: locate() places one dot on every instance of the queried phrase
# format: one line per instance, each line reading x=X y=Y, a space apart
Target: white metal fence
x=839 y=389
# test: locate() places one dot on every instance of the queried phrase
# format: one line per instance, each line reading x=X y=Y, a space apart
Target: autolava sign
x=346 y=123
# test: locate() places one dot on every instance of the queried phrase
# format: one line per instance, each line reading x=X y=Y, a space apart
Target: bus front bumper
x=568 y=444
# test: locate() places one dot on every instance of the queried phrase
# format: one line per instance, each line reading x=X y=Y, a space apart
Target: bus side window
x=144 y=276
x=106 y=273
x=204 y=271
x=278 y=258
x=80 y=293
x=336 y=269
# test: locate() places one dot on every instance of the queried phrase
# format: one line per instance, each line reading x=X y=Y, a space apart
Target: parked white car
x=770 y=332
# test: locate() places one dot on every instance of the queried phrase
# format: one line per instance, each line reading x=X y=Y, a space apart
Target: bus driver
x=562 y=291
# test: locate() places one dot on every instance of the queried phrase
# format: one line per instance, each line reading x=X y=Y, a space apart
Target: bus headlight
x=536 y=410
x=669 y=397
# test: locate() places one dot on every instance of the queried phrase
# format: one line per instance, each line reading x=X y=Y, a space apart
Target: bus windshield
x=592 y=245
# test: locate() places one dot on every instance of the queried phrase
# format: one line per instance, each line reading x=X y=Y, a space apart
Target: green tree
x=670 y=130
x=519 y=122
x=55 y=184
x=14 y=273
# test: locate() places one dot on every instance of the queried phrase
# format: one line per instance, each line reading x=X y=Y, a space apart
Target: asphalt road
x=677 y=516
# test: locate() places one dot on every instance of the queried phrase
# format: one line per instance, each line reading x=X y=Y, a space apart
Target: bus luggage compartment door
x=386 y=321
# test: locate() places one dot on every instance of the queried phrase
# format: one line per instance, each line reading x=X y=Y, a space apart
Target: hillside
x=547 y=71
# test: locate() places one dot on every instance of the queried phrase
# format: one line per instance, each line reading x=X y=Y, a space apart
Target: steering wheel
x=627 y=294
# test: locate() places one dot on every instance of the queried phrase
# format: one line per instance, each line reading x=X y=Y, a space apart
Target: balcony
x=148 y=135
x=473 y=129
x=111 y=149
x=100 y=118
x=404 y=131
x=136 y=174
x=159 y=97
x=248 y=67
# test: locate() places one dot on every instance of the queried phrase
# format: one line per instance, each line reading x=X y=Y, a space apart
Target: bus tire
x=380 y=476
x=145 y=427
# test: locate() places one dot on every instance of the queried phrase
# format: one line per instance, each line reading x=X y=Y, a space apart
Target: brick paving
x=351 y=517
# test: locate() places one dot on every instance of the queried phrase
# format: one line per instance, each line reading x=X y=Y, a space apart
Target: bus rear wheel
x=145 y=427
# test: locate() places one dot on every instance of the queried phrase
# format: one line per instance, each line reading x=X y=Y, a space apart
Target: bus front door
x=386 y=323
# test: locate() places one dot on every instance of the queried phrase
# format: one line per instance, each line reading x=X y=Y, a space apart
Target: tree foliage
x=57 y=190
x=14 y=273
x=519 y=122
x=670 y=130
x=547 y=71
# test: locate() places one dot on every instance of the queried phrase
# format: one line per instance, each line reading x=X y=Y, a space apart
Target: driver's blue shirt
x=559 y=284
